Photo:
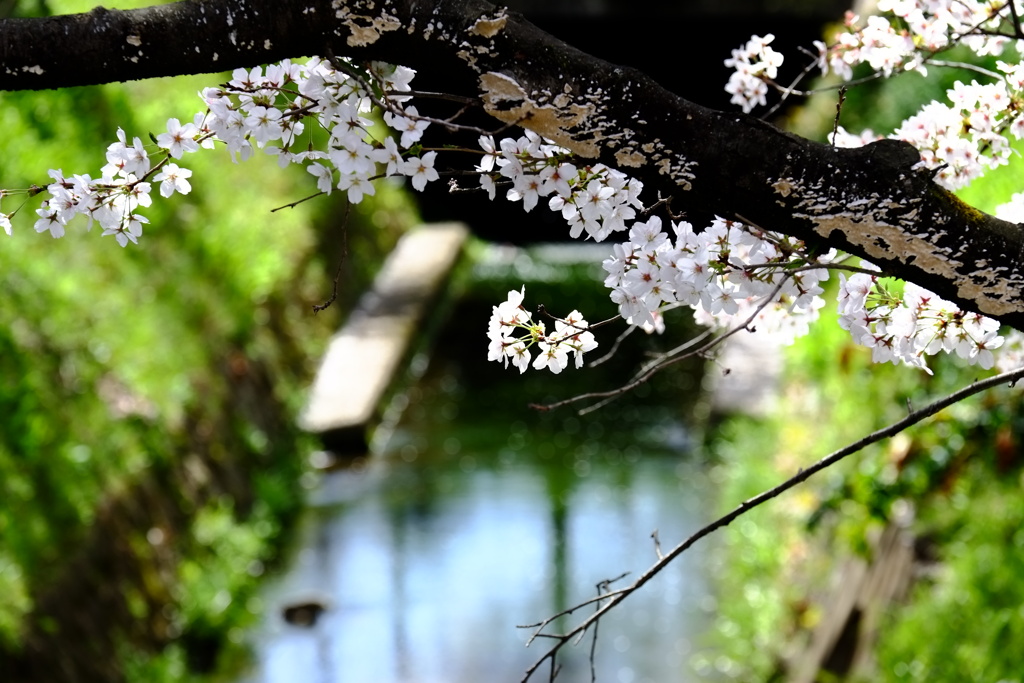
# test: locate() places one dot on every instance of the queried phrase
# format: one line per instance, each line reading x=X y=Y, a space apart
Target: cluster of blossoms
x=512 y=332
x=727 y=273
x=271 y=108
x=876 y=43
x=1011 y=353
x=595 y=200
x=967 y=137
x=964 y=139
x=754 y=63
x=960 y=141
x=113 y=200
x=906 y=328
x=264 y=109
x=918 y=30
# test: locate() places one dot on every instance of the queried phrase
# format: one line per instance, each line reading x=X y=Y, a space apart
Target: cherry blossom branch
x=614 y=599
x=764 y=71
x=648 y=371
x=717 y=163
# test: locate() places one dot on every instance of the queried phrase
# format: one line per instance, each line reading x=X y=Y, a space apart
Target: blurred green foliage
x=969 y=615
x=156 y=384
x=960 y=473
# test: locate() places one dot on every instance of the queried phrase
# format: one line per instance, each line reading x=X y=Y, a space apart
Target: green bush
x=149 y=392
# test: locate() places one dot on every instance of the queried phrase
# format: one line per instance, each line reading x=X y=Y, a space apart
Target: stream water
x=478 y=515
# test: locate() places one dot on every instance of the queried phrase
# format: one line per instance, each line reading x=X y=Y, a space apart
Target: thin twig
x=566 y=612
x=895 y=428
x=602 y=592
x=292 y=205
x=426 y=94
x=839 y=110
x=387 y=105
x=685 y=346
x=593 y=655
x=615 y=347
x=542 y=310
x=344 y=255
x=966 y=67
x=786 y=92
x=814 y=266
x=660 y=358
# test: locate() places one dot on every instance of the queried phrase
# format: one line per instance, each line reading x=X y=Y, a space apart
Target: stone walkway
x=363 y=357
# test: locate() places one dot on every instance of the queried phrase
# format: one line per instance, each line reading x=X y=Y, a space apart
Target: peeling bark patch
x=365 y=29
x=887 y=242
x=675 y=166
x=886 y=231
x=679 y=171
x=996 y=294
x=630 y=158
x=578 y=122
x=507 y=101
x=865 y=223
x=488 y=27
x=783 y=187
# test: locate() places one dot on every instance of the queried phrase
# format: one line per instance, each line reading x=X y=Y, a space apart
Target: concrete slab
x=366 y=354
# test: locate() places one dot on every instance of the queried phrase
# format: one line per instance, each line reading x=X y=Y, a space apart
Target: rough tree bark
x=866 y=201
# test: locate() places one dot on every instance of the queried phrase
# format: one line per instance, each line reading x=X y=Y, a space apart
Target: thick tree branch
x=191 y=37
x=867 y=201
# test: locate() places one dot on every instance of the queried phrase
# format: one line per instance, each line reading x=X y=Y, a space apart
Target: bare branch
x=615 y=347
x=746 y=506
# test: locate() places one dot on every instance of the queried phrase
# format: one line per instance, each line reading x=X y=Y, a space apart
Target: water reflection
x=426 y=571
